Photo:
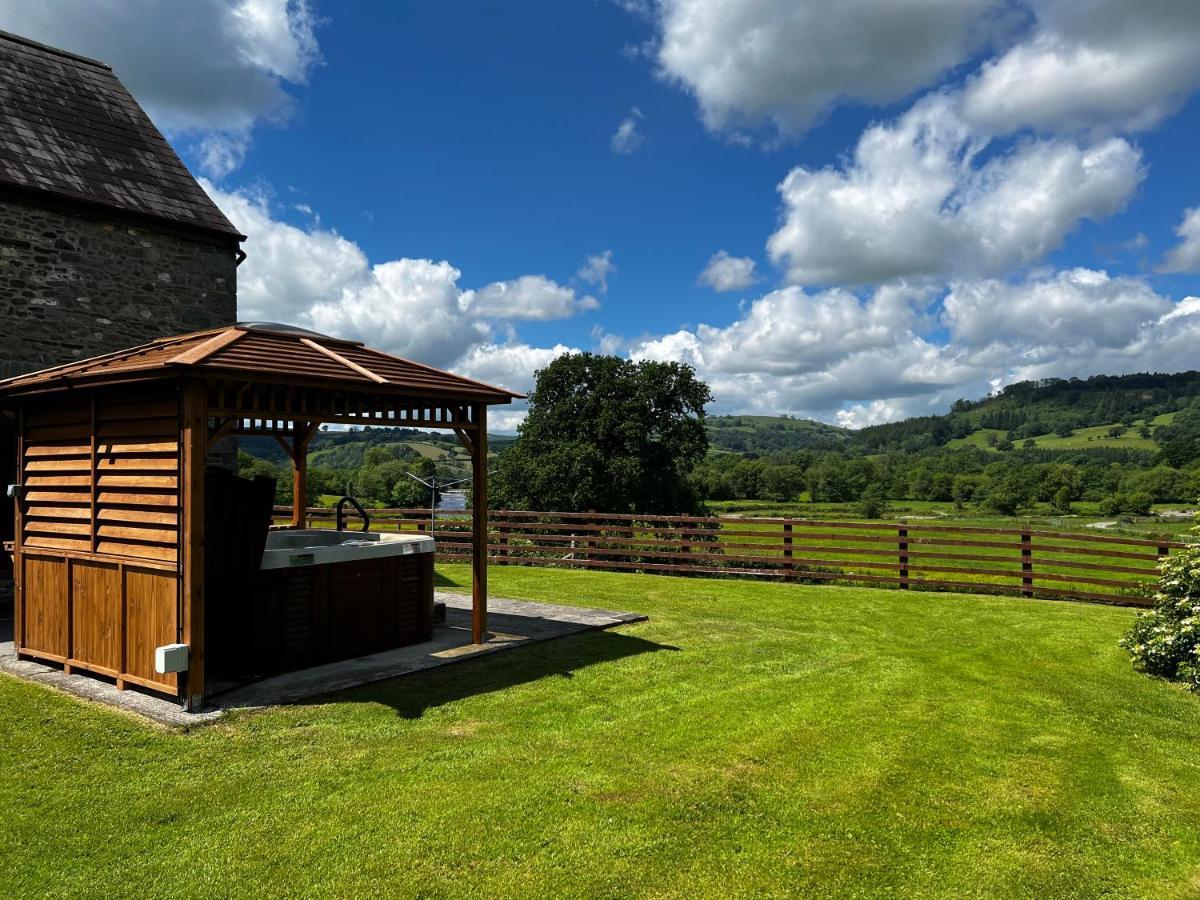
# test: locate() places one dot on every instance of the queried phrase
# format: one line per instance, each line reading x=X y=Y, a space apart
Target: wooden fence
x=904 y=555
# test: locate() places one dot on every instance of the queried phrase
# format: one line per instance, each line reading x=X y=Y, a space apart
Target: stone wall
x=77 y=284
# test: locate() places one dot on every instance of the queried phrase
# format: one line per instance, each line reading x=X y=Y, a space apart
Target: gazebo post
x=300 y=438
x=479 y=524
x=194 y=438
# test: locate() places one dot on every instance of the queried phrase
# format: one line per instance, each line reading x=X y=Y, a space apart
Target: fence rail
x=906 y=555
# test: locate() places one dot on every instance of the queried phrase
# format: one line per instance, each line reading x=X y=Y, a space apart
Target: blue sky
x=914 y=201
x=484 y=139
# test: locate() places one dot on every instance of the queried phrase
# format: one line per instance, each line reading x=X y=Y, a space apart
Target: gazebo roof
x=263 y=351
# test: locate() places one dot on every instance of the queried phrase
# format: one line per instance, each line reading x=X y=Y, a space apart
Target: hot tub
x=328 y=595
x=312 y=547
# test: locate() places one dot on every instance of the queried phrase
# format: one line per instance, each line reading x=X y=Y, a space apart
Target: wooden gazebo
x=110 y=536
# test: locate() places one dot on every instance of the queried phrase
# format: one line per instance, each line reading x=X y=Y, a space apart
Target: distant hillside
x=345 y=449
x=1132 y=412
x=770 y=434
x=1122 y=419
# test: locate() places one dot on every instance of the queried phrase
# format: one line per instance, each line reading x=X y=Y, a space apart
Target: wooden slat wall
x=137 y=478
x=56 y=470
x=102 y=476
x=99 y=533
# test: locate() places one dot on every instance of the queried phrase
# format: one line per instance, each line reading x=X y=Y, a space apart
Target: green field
x=749 y=740
x=351 y=455
x=941 y=512
x=1083 y=438
x=429 y=451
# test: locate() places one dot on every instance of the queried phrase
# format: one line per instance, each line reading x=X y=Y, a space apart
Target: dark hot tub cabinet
x=329 y=595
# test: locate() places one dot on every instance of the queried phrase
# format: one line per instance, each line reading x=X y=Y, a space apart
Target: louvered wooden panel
x=120 y=497
x=56 y=469
x=137 y=478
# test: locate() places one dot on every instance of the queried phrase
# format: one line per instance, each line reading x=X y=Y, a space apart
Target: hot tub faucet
x=341 y=513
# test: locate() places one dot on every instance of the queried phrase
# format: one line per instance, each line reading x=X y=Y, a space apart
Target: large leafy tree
x=607 y=434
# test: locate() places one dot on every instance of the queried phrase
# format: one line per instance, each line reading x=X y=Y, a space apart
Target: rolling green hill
x=1055 y=414
x=345 y=449
x=769 y=434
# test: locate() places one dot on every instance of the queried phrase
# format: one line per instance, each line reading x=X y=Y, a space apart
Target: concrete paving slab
x=511 y=623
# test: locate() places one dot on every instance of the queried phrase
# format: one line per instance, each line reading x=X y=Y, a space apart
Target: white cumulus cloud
x=857 y=362
x=1185 y=256
x=1053 y=65
x=596 y=270
x=533 y=297
x=627 y=139
x=729 y=273
x=414 y=308
x=1077 y=311
x=753 y=61
x=1091 y=64
x=915 y=201
x=511 y=365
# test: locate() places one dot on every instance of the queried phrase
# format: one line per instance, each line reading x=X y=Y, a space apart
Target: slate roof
x=265 y=350
x=70 y=128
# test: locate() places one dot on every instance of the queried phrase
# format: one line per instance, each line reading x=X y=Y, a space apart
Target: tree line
x=616 y=435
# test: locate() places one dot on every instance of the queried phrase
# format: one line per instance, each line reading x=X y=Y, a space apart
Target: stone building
x=106 y=239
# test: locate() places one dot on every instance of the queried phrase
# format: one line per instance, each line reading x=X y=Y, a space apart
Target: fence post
x=588 y=542
x=1026 y=563
x=903 y=549
x=502 y=536
x=789 y=567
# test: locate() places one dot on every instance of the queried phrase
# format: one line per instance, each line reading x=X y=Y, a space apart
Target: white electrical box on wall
x=171 y=658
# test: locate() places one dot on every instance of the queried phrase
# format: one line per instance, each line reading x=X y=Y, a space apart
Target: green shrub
x=873 y=504
x=1166 y=641
x=1136 y=504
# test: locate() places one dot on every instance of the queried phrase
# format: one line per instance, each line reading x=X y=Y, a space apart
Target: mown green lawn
x=749 y=739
